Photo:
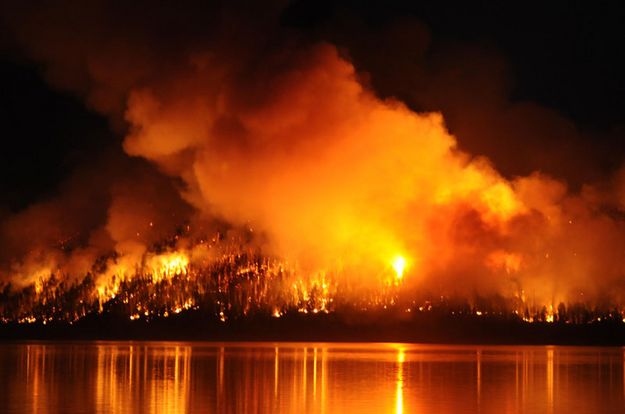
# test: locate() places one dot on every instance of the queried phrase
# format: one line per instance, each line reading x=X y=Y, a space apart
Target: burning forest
x=255 y=170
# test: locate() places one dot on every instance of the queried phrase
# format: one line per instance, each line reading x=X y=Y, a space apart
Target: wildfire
x=165 y=266
x=399 y=265
x=296 y=189
x=242 y=283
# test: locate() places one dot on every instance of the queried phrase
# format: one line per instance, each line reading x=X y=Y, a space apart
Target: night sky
x=567 y=59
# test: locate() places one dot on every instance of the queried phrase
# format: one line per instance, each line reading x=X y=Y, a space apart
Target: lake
x=171 y=377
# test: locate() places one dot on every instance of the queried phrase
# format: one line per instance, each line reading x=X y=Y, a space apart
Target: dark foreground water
x=166 y=377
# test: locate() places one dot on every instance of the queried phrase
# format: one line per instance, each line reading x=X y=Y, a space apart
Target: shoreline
x=426 y=329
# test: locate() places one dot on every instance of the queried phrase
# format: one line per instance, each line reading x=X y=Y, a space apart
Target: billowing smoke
x=250 y=124
x=301 y=150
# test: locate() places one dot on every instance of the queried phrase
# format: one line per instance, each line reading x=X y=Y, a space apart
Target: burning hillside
x=263 y=174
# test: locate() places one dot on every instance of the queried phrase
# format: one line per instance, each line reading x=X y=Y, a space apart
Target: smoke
x=259 y=126
x=474 y=87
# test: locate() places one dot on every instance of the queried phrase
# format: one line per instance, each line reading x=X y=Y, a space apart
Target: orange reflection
x=165 y=384
x=399 y=396
x=550 y=380
x=268 y=378
x=478 y=377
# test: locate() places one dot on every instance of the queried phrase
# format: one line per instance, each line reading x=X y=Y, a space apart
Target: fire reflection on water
x=399 y=399
x=183 y=378
x=550 y=380
x=153 y=380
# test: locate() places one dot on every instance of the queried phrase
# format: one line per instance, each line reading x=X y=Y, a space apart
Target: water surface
x=169 y=377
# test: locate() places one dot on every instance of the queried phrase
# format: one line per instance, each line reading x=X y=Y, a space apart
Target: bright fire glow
x=399 y=265
x=272 y=175
x=168 y=265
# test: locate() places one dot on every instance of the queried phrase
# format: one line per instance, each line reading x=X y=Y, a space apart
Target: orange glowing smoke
x=336 y=177
x=295 y=158
x=340 y=181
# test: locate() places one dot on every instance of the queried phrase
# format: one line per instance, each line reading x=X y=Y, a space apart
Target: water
x=166 y=377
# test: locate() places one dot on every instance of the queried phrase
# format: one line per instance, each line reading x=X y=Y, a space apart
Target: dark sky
x=567 y=59
x=565 y=55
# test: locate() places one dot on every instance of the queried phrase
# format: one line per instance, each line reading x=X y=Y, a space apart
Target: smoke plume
x=246 y=122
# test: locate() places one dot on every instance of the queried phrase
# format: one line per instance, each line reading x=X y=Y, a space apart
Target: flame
x=399 y=265
x=165 y=266
x=241 y=284
x=324 y=196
